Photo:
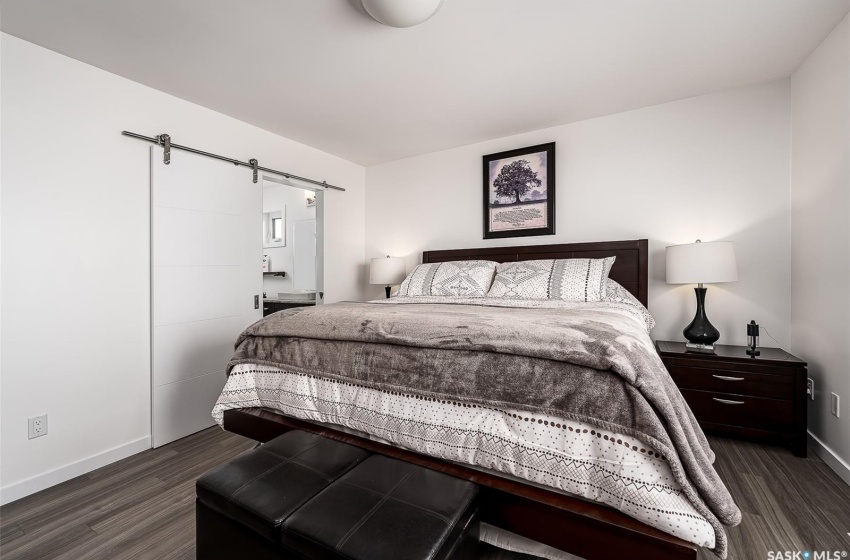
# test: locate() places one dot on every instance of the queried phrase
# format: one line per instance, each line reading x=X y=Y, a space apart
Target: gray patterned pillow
x=564 y=279
x=616 y=293
x=455 y=278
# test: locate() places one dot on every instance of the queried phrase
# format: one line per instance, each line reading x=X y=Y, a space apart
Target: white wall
x=820 y=232
x=710 y=167
x=274 y=197
x=75 y=252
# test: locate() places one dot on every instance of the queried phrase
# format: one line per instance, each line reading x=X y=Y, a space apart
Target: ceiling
x=323 y=73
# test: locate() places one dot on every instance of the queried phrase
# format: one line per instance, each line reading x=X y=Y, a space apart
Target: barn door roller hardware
x=164 y=140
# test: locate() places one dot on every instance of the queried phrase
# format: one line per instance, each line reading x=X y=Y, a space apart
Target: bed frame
x=586 y=529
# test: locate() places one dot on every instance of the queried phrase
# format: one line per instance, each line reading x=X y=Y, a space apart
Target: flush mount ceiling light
x=402 y=13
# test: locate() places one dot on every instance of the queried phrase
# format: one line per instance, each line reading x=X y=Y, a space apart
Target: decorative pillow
x=616 y=293
x=563 y=279
x=453 y=279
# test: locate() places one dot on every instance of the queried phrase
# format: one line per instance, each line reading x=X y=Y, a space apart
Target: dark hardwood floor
x=143 y=507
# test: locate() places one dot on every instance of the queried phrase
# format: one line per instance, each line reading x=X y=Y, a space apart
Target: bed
x=524 y=497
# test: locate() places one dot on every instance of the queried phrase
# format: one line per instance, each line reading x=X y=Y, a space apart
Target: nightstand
x=730 y=393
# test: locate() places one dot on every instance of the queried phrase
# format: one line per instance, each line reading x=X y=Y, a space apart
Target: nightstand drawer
x=733 y=381
x=748 y=412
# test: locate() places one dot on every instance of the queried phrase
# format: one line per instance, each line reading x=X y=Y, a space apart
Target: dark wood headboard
x=631 y=269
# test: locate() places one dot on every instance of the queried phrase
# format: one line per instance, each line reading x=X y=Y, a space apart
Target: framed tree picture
x=519 y=192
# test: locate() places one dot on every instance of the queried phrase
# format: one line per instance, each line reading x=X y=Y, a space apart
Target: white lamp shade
x=402 y=13
x=387 y=271
x=702 y=263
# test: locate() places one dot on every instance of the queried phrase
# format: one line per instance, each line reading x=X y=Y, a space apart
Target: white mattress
x=569 y=456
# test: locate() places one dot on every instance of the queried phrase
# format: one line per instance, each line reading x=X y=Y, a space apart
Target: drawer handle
x=727 y=378
x=725 y=401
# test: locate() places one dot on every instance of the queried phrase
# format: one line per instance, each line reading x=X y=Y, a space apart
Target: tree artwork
x=515 y=179
x=519 y=192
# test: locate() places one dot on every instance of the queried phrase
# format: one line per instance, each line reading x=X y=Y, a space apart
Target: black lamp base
x=387 y=289
x=701 y=334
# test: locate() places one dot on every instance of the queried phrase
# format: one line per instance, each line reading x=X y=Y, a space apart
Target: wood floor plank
x=777 y=531
x=86 y=505
x=821 y=476
x=134 y=464
x=189 y=466
x=756 y=539
x=69 y=495
x=811 y=495
x=171 y=542
x=142 y=508
x=9 y=532
x=159 y=532
x=43 y=500
x=45 y=545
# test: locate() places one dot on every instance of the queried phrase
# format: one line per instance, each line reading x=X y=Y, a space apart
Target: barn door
x=206 y=256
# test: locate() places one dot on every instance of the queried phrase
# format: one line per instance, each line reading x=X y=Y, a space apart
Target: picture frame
x=519 y=192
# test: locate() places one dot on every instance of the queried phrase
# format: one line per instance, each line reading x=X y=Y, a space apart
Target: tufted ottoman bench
x=303 y=496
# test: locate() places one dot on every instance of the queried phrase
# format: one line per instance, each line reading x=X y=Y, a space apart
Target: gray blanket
x=589 y=363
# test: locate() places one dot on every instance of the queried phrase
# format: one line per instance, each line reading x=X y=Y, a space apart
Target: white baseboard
x=829 y=457
x=18 y=490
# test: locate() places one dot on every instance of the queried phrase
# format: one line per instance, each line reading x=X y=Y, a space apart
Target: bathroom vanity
x=287 y=301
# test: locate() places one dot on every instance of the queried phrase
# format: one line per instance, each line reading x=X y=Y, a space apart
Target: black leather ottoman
x=302 y=496
x=386 y=509
x=241 y=505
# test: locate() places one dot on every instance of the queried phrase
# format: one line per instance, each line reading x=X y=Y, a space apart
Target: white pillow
x=562 y=279
x=452 y=279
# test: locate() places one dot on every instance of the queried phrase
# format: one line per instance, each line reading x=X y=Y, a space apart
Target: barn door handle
x=727 y=378
x=724 y=401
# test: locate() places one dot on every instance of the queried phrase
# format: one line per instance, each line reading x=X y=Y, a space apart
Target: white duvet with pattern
x=572 y=457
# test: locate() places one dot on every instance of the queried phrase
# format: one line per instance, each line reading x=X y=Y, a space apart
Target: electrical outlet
x=37 y=426
x=810 y=388
x=835 y=406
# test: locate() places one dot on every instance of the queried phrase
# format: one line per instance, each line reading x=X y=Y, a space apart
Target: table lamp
x=387 y=271
x=701 y=263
